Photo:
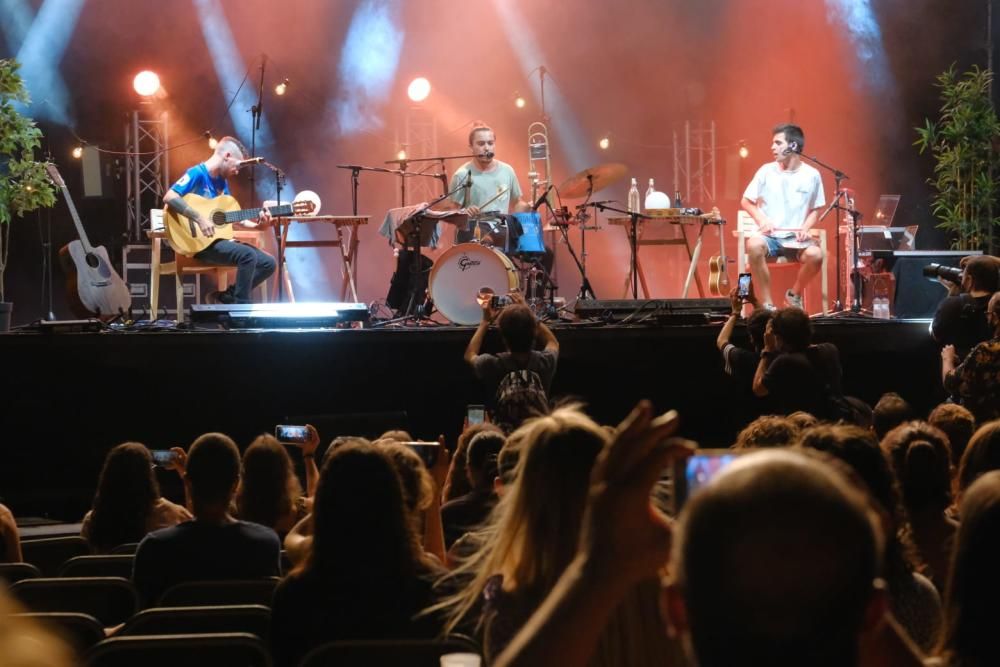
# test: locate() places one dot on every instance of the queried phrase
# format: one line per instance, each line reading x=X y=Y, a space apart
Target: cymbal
x=600 y=176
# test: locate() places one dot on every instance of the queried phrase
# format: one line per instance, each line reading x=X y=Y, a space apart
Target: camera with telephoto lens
x=952 y=274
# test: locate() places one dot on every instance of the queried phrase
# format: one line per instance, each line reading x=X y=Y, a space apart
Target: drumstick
x=499 y=194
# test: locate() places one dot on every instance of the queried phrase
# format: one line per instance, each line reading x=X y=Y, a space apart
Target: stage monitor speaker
x=279 y=315
x=917 y=297
x=97 y=174
x=678 y=311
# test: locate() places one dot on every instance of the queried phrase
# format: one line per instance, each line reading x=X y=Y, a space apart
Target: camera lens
x=949 y=273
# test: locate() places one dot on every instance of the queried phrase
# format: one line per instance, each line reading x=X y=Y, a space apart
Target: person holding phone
x=740 y=362
x=784 y=199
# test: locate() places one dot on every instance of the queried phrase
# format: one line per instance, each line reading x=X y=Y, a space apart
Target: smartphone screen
x=743 y=286
x=427 y=451
x=163 y=457
x=476 y=414
x=696 y=471
x=291 y=434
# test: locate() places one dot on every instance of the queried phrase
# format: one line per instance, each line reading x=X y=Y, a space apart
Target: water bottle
x=880 y=300
x=677 y=200
x=650 y=190
x=633 y=198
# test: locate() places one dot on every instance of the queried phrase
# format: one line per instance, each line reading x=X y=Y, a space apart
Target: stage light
x=77 y=152
x=519 y=102
x=604 y=143
x=213 y=143
x=281 y=88
x=419 y=89
x=146 y=83
x=401 y=155
x=744 y=151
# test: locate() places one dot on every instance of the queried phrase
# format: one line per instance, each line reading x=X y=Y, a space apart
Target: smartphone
x=476 y=414
x=694 y=472
x=743 y=286
x=427 y=451
x=498 y=301
x=290 y=434
x=163 y=457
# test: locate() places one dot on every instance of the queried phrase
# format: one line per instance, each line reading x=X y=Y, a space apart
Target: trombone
x=539 y=160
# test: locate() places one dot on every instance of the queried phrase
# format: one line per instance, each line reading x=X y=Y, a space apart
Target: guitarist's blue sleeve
x=189 y=182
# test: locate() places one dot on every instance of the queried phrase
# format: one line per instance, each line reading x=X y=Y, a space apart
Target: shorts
x=789 y=247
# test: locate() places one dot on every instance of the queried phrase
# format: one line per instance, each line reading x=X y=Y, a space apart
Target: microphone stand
x=404 y=162
x=635 y=217
x=839 y=178
x=256 y=111
x=279 y=183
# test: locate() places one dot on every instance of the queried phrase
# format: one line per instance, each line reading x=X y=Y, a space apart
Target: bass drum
x=458 y=275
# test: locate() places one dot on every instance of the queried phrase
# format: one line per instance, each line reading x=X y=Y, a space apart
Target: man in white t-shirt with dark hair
x=784 y=199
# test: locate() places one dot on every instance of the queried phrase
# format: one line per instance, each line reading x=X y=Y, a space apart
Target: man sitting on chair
x=208 y=179
x=784 y=199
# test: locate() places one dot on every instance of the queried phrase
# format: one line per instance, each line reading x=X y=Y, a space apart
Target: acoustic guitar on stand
x=223 y=211
x=718 y=278
x=93 y=287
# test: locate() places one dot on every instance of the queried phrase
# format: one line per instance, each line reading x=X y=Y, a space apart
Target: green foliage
x=963 y=142
x=24 y=184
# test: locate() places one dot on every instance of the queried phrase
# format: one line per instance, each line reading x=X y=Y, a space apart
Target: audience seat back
x=49 y=553
x=98 y=566
x=111 y=600
x=198 y=650
x=411 y=653
x=252 y=619
x=81 y=631
x=236 y=591
x=15 y=572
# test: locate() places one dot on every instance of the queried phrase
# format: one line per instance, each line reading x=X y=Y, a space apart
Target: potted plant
x=24 y=185
x=963 y=142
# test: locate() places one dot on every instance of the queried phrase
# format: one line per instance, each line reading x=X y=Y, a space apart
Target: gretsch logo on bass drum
x=465 y=262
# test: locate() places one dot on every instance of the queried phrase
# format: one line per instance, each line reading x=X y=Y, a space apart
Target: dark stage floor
x=67 y=398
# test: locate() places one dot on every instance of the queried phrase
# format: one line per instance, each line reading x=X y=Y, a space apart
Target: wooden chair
x=185 y=266
x=409 y=652
x=237 y=591
x=49 y=553
x=746 y=227
x=98 y=566
x=190 y=650
x=251 y=618
x=111 y=600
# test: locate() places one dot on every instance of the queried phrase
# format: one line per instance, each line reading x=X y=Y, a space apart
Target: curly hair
x=768 y=431
x=126 y=493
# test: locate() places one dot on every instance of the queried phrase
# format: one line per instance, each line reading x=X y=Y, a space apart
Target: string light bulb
x=401 y=155
x=744 y=151
x=212 y=141
x=519 y=101
x=604 y=143
x=77 y=152
x=281 y=88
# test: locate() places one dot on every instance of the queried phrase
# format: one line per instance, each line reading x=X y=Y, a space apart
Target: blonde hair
x=533 y=531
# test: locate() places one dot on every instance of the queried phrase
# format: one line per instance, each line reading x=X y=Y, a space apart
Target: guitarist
x=208 y=179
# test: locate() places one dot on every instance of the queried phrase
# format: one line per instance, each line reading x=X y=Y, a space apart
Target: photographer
x=517 y=381
x=960 y=320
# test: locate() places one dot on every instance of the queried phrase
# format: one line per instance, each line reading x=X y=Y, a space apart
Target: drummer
x=489 y=177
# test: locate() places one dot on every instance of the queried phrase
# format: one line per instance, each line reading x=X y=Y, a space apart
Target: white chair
x=746 y=227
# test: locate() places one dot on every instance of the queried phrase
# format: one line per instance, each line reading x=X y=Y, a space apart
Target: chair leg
x=179 y=291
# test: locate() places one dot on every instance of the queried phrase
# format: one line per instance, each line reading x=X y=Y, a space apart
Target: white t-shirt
x=485 y=185
x=786 y=197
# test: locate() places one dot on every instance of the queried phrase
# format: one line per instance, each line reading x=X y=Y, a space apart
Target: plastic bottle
x=677 y=200
x=880 y=300
x=650 y=190
x=633 y=198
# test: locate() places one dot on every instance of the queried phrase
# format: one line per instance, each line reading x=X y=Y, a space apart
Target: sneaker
x=216 y=298
x=793 y=301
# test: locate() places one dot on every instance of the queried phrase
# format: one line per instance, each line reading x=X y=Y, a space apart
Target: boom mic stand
x=839 y=178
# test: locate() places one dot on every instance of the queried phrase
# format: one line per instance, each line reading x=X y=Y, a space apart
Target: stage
x=68 y=397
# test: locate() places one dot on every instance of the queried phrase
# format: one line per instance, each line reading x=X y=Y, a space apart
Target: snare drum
x=458 y=275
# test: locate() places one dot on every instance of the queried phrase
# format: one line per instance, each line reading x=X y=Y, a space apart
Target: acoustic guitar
x=187 y=238
x=93 y=287
x=718 y=278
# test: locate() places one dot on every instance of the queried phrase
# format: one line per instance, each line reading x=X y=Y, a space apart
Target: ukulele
x=93 y=287
x=187 y=239
x=718 y=279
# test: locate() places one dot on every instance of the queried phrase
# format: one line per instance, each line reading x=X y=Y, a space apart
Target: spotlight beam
x=40 y=54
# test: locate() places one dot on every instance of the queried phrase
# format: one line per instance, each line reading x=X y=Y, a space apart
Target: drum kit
x=508 y=253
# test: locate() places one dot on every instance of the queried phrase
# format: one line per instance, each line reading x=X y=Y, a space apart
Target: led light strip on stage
x=279 y=315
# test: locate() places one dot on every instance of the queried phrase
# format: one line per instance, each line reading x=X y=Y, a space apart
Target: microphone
x=249 y=161
x=468 y=183
x=541 y=200
x=489 y=155
x=793 y=147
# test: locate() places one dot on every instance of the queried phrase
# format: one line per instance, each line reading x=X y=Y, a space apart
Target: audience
x=773 y=511
x=961 y=319
x=10 y=539
x=913 y=599
x=958 y=424
x=421 y=493
x=270 y=493
x=517 y=381
x=457 y=483
x=366 y=575
x=797 y=374
x=803 y=420
x=974 y=584
x=741 y=363
x=921 y=461
x=127 y=504
x=974 y=380
x=890 y=411
x=768 y=431
x=981 y=455
x=214 y=546
x=467 y=512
